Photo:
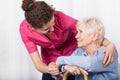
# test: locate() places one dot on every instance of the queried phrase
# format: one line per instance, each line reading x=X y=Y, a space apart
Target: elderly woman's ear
x=95 y=36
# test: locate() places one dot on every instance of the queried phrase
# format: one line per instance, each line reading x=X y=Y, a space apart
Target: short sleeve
x=30 y=46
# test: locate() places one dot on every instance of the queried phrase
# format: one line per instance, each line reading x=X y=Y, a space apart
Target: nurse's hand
x=109 y=54
x=53 y=68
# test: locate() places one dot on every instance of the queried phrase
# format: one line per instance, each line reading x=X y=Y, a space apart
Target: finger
x=53 y=69
x=78 y=71
x=112 y=59
x=72 y=73
x=105 y=59
x=75 y=73
x=54 y=72
x=102 y=51
x=52 y=63
x=108 y=61
x=82 y=70
x=53 y=66
x=60 y=74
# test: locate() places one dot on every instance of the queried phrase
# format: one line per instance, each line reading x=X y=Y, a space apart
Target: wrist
x=65 y=67
x=47 y=69
x=61 y=68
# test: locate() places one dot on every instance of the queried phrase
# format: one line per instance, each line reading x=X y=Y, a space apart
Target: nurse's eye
x=47 y=29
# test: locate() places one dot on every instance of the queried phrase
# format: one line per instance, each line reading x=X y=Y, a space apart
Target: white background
x=15 y=62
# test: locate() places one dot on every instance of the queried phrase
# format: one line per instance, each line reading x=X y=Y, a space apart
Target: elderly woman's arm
x=90 y=64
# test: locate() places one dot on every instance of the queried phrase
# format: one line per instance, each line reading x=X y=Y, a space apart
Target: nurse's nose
x=52 y=28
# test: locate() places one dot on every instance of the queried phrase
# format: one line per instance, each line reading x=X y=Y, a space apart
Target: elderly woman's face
x=83 y=38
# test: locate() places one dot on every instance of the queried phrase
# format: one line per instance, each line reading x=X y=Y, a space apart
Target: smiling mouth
x=49 y=33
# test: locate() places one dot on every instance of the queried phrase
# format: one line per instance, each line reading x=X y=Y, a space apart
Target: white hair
x=92 y=25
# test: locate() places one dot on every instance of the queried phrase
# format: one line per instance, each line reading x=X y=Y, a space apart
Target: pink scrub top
x=62 y=40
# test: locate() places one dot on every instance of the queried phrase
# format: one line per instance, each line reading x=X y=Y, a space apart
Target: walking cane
x=67 y=73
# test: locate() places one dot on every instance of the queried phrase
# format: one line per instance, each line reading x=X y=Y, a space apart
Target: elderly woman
x=88 y=56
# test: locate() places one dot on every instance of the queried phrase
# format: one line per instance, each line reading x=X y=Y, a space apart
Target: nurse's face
x=47 y=28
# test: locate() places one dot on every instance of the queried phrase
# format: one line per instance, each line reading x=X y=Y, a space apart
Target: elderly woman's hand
x=74 y=70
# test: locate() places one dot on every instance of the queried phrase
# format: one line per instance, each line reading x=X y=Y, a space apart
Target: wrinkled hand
x=53 y=68
x=82 y=70
x=74 y=70
x=109 y=54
